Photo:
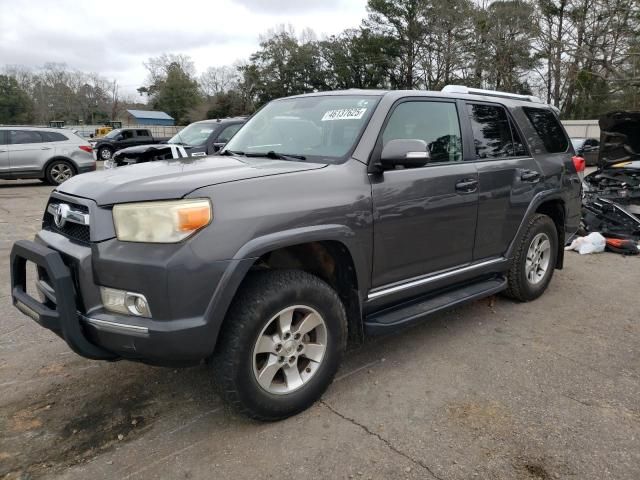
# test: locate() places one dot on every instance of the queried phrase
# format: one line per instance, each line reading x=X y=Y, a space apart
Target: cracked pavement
x=493 y=390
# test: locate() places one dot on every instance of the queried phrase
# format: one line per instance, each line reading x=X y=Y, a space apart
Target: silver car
x=51 y=154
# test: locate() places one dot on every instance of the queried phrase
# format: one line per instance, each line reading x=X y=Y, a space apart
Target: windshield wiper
x=277 y=156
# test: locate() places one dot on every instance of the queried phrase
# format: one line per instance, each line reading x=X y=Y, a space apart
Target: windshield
x=113 y=133
x=323 y=126
x=194 y=134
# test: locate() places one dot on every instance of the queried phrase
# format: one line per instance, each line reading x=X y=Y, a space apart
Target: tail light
x=86 y=148
x=579 y=163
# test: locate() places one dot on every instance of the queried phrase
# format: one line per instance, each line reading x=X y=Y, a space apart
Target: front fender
x=246 y=256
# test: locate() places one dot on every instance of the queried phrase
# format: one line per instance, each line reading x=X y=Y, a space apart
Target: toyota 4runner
x=326 y=218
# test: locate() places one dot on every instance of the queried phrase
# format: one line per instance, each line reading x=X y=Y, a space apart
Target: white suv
x=51 y=154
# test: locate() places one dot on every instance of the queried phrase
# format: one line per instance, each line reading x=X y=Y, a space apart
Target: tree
x=217 y=80
x=15 y=104
x=403 y=24
x=172 y=88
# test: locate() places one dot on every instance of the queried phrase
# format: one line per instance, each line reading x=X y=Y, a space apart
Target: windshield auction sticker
x=344 y=114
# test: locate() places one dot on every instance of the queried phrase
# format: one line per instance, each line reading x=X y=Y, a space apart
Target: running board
x=411 y=312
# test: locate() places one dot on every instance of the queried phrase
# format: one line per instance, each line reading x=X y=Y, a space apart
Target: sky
x=114 y=37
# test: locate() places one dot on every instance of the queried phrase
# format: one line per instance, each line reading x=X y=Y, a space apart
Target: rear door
x=4 y=153
x=143 y=137
x=507 y=174
x=28 y=151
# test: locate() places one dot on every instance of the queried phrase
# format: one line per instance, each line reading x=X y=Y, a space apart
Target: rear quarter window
x=548 y=127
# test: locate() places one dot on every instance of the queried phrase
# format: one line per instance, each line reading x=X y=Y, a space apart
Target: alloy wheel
x=538 y=258
x=61 y=172
x=289 y=350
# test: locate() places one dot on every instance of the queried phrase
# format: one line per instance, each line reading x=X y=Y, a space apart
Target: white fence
x=582 y=128
x=156 y=130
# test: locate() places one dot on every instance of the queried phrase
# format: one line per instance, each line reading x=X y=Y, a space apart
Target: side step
x=408 y=313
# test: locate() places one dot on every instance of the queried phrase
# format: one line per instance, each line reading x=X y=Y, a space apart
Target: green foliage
x=228 y=104
x=15 y=104
x=174 y=90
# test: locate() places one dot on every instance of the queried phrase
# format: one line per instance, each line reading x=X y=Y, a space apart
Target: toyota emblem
x=61 y=211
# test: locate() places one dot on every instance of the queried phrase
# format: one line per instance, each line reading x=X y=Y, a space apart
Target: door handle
x=467 y=185
x=530 y=176
x=45 y=148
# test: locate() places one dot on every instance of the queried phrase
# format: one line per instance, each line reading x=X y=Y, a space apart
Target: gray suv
x=326 y=218
x=50 y=154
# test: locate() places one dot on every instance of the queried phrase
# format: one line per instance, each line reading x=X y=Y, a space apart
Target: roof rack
x=490 y=93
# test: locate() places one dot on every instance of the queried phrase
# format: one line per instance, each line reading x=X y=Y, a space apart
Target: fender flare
x=246 y=256
x=538 y=199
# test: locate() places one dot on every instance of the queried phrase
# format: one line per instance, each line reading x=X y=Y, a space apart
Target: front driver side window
x=434 y=122
x=227 y=133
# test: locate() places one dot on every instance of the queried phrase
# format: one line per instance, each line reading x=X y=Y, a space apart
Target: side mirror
x=406 y=152
x=119 y=137
x=217 y=146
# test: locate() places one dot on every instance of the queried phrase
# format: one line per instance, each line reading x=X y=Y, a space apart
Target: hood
x=169 y=179
x=619 y=138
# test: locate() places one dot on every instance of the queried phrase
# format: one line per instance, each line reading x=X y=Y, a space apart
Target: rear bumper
x=70 y=306
x=87 y=168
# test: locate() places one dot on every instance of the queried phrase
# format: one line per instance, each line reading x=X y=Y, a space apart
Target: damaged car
x=611 y=194
x=617 y=177
x=198 y=139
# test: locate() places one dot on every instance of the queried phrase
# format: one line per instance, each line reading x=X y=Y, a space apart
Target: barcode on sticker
x=344 y=114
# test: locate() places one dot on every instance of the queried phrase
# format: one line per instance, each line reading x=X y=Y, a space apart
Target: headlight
x=160 y=222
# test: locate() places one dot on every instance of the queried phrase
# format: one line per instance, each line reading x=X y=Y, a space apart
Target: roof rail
x=490 y=93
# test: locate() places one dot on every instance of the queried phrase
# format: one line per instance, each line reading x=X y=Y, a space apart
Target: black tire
x=260 y=298
x=519 y=286
x=59 y=171
x=102 y=151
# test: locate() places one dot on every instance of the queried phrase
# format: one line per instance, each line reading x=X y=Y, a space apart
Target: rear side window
x=142 y=133
x=21 y=137
x=52 y=137
x=3 y=137
x=494 y=134
x=549 y=129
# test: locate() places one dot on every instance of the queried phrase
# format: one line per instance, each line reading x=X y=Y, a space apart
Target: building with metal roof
x=149 y=117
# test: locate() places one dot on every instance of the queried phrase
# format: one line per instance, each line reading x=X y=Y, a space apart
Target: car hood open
x=619 y=138
x=168 y=179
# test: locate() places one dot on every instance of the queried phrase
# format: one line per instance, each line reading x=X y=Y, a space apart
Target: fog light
x=127 y=303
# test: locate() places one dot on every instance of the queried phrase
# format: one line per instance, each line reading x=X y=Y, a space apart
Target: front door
x=27 y=150
x=424 y=217
x=507 y=174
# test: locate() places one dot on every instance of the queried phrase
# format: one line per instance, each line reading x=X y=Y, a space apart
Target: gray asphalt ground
x=493 y=390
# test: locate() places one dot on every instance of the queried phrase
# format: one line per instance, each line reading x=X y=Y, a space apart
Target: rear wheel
x=59 y=171
x=281 y=344
x=534 y=261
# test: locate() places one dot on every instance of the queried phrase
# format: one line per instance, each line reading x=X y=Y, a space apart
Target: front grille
x=74 y=231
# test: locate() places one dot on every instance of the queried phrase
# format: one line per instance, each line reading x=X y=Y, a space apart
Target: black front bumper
x=63 y=318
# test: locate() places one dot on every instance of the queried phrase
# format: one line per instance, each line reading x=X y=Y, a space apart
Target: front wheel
x=281 y=344
x=534 y=261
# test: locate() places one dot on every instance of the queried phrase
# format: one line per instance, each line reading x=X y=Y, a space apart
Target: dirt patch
x=534 y=469
x=490 y=416
x=52 y=435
